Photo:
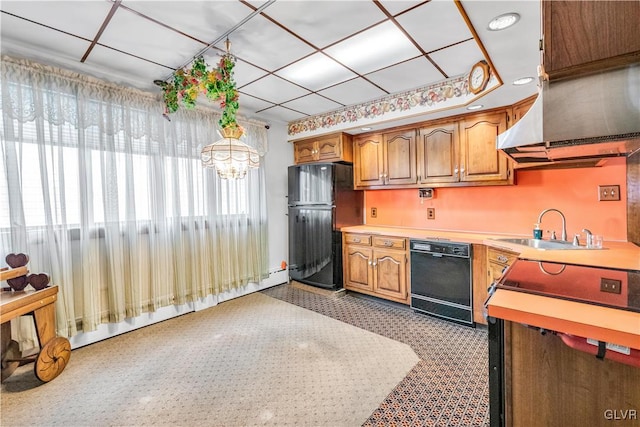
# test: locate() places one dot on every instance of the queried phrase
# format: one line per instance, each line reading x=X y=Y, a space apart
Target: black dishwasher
x=441 y=280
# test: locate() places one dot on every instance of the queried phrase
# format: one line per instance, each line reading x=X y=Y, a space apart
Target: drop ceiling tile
x=244 y=73
x=204 y=20
x=398 y=6
x=406 y=75
x=274 y=89
x=133 y=34
x=373 y=49
x=20 y=35
x=56 y=14
x=125 y=69
x=435 y=25
x=249 y=105
x=353 y=92
x=458 y=59
x=262 y=43
x=339 y=18
x=316 y=72
x=312 y=104
x=281 y=114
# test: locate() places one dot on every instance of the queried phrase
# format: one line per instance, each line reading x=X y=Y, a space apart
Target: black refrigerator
x=321 y=201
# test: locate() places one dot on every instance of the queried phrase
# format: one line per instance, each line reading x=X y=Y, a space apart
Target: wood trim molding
x=633 y=199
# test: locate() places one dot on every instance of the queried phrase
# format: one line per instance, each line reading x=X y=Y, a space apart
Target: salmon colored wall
x=514 y=209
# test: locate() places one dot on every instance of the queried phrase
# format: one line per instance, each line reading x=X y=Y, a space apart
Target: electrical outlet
x=608 y=192
x=610 y=285
x=374 y=212
x=431 y=213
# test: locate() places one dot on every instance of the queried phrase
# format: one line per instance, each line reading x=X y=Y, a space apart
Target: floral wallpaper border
x=428 y=96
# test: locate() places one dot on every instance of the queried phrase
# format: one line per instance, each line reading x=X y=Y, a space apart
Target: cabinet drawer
x=501 y=256
x=357 y=239
x=389 y=242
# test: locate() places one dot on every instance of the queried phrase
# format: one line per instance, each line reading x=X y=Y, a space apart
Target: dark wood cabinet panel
x=586 y=36
x=542 y=371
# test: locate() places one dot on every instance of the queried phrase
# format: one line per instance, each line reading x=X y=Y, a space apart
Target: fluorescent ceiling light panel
x=376 y=48
x=316 y=72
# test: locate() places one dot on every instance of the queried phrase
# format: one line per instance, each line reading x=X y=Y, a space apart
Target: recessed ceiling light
x=366 y=128
x=503 y=21
x=475 y=107
x=522 y=81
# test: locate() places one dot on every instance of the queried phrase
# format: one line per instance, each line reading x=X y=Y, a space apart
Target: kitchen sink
x=545 y=244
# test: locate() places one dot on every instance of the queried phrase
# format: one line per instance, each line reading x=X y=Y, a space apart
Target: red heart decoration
x=38 y=281
x=17 y=260
x=18 y=283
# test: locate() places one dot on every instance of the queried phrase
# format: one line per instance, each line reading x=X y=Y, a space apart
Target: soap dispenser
x=537 y=231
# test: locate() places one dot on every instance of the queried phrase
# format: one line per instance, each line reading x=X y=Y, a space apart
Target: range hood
x=587 y=118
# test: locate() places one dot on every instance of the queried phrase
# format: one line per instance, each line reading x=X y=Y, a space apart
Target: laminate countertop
x=614 y=254
x=579 y=319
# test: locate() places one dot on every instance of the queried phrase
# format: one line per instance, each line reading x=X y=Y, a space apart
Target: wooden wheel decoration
x=52 y=359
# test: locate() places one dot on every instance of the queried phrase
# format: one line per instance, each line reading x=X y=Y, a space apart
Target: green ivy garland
x=216 y=85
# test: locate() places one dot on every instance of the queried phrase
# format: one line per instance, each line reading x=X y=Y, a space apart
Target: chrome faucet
x=564 y=222
x=589 y=237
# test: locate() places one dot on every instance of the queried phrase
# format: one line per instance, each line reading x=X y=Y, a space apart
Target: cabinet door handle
x=455 y=172
x=374 y=264
x=502 y=258
x=356 y=240
x=461 y=171
x=369 y=262
x=388 y=243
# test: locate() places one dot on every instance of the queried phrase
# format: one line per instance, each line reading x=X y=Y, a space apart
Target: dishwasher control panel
x=445 y=248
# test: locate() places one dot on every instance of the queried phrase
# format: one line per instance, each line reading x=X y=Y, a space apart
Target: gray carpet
x=254 y=360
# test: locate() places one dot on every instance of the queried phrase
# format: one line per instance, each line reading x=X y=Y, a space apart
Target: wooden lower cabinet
x=488 y=265
x=376 y=265
x=548 y=383
x=497 y=261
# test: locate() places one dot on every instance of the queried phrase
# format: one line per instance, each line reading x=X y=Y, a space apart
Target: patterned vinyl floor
x=448 y=387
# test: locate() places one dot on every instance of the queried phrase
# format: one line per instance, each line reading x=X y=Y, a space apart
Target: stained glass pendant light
x=230 y=157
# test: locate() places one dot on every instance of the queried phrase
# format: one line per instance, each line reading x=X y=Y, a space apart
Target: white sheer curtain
x=109 y=198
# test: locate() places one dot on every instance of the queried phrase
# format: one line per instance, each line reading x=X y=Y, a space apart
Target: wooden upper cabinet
x=385 y=159
x=480 y=160
x=582 y=37
x=520 y=109
x=304 y=151
x=437 y=153
x=327 y=148
x=400 y=157
x=368 y=165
